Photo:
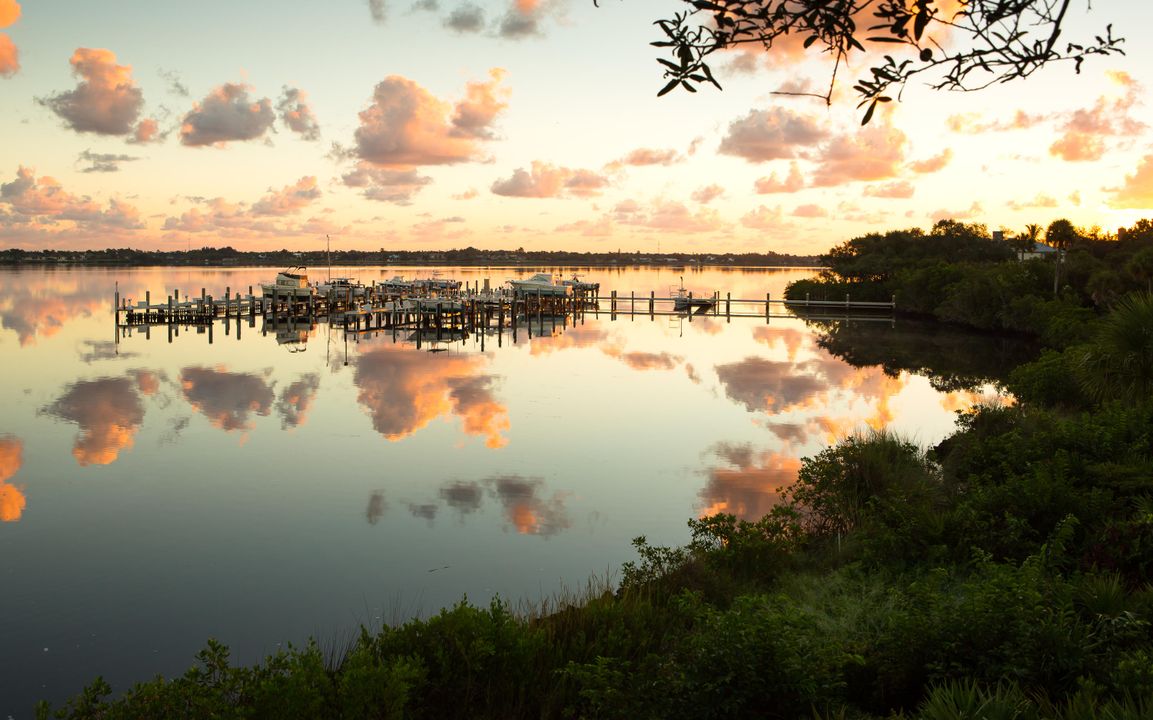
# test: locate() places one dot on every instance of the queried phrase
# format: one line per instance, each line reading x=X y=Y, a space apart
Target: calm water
x=271 y=486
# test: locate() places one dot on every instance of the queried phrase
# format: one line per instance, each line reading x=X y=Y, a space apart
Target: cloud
x=465 y=18
x=790 y=184
x=933 y=164
x=294 y=400
x=176 y=85
x=762 y=218
x=810 y=210
x=872 y=153
x=669 y=216
x=103 y=162
x=12 y=499
x=1041 y=200
x=227 y=399
x=385 y=185
x=9 y=56
x=549 y=181
x=974 y=212
x=288 y=200
x=898 y=189
x=106 y=101
x=296 y=113
x=708 y=193
x=109 y=412
x=378 y=11
x=407 y=126
x=647 y=156
x=523 y=19
x=377 y=505
x=9 y=12
x=1084 y=131
x=44 y=201
x=1137 y=192
x=465 y=497
x=774 y=134
x=970 y=123
x=227 y=114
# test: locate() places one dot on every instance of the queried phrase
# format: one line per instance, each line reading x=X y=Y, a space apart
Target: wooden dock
x=467 y=310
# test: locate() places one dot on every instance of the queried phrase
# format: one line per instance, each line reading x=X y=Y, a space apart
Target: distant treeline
x=466 y=256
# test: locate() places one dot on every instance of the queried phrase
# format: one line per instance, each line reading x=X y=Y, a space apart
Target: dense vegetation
x=958 y=274
x=1005 y=573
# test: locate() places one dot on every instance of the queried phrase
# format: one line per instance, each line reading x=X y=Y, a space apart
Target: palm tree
x=1060 y=235
x=1118 y=363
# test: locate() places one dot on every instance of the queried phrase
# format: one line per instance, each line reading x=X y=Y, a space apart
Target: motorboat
x=397 y=285
x=683 y=300
x=538 y=284
x=580 y=286
x=291 y=284
x=437 y=284
x=341 y=288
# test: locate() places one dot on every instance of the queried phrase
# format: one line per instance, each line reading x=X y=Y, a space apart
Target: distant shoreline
x=470 y=257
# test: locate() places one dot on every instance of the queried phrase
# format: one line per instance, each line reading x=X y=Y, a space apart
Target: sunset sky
x=437 y=124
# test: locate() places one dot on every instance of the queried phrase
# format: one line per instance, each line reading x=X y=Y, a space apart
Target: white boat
x=539 y=284
x=289 y=284
x=397 y=285
x=433 y=304
x=437 y=284
x=341 y=288
x=683 y=300
x=580 y=286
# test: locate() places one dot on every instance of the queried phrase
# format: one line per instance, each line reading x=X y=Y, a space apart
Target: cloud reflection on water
x=109 y=412
x=226 y=398
x=404 y=390
x=12 y=500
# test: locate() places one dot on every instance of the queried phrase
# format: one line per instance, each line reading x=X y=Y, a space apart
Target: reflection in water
x=522 y=499
x=751 y=485
x=791 y=339
x=102 y=350
x=376 y=507
x=578 y=336
x=761 y=384
x=40 y=309
x=226 y=398
x=295 y=400
x=108 y=411
x=405 y=389
x=649 y=361
x=11 y=496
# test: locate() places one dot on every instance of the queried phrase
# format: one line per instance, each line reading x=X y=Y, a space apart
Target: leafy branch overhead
x=981 y=43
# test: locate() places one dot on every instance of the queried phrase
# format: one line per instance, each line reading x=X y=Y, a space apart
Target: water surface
x=262 y=485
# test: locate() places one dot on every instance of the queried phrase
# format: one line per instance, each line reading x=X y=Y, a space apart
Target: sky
x=535 y=124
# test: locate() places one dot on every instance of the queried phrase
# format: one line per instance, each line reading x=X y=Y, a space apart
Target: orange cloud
x=668 y=216
x=296 y=113
x=762 y=218
x=792 y=340
x=773 y=134
x=579 y=336
x=106 y=101
x=810 y=210
x=227 y=114
x=45 y=201
x=765 y=385
x=404 y=390
x=970 y=123
x=875 y=152
x=108 y=411
x=9 y=56
x=529 y=513
x=1137 y=192
x=549 y=181
x=771 y=184
x=898 y=189
x=1040 y=200
x=975 y=211
x=295 y=400
x=407 y=126
x=290 y=199
x=9 y=12
x=750 y=490
x=708 y=193
x=12 y=499
x=933 y=164
x=1084 y=131
x=226 y=398
x=647 y=156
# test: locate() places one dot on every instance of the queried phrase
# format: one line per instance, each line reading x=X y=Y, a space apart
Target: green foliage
x=1118 y=363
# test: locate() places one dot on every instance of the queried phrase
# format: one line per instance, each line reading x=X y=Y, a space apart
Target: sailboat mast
x=329 y=239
